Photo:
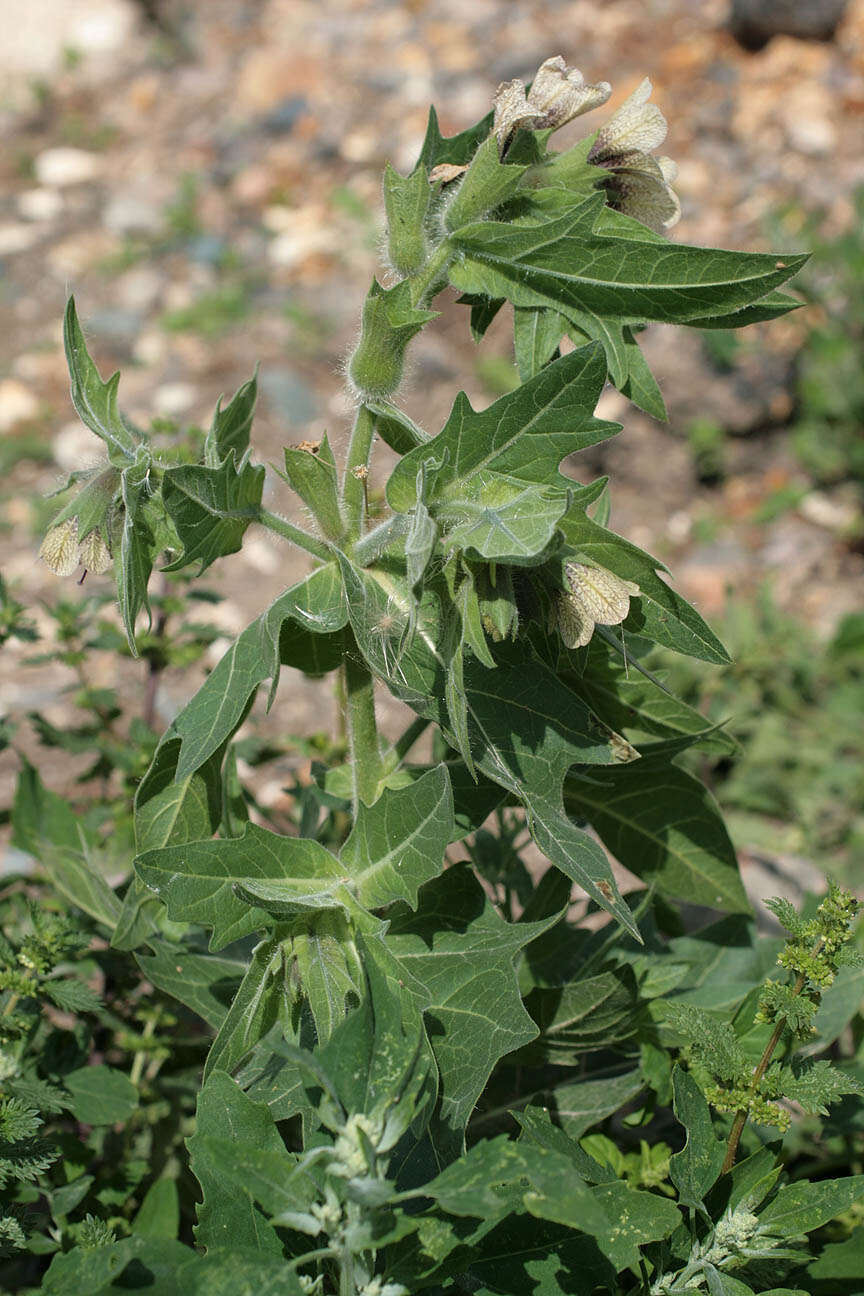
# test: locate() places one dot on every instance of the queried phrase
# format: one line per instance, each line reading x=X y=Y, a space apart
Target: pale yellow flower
x=639 y=185
x=64 y=553
x=594 y=596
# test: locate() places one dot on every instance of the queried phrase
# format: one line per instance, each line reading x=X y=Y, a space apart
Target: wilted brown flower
x=557 y=95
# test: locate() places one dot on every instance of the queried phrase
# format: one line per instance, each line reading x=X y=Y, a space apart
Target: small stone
x=278 y=218
x=755 y=22
x=17 y=238
x=113 y=322
x=814 y=136
x=679 y=526
x=56 y=167
x=174 y=398
x=126 y=214
x=826 y=511
x=292 y=249
x=40 y=368
x=139 y=289
x=289 y=395
x=80 y=252
x=359 y=146
x=151 y=348
x=17 y=404
x=75 y=446
x=266 y=79
x=143 y=93
x=261 y=555
x=283 y=117
x=253 y=185
x=39 y=204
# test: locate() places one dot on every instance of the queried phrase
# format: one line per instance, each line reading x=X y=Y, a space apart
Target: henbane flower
x=638 y=184
x=557 y=95
x=594 y=596
x=80 y=536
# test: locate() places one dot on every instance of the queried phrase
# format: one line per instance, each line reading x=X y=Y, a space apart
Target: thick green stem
x=356 y=468
x=741 y=1115
x=363 y=745
x=427 y=281
x=295 y=534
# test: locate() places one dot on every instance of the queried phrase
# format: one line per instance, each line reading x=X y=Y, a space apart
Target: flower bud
x=406 y=202
x=389 y=323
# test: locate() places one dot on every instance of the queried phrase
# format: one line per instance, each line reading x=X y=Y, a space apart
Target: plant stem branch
x=141 y=1055
x=363 y=746
x=403 y=744
x=155 y=665
x=356 y=464
x=295 y=534
x=375 y=542
x=741 y=1115
x=426 y=282
x=9 y=1006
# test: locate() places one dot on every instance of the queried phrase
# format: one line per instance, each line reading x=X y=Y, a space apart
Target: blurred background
x=205 y=177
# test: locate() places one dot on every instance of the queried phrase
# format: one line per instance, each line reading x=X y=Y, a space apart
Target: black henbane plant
x=404 y=1061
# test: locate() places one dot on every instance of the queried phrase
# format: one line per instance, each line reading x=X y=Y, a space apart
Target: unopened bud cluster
x=425 y=208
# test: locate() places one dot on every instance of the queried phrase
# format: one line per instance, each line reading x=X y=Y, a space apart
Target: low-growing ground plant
x=400 y=1058
x=795 y=784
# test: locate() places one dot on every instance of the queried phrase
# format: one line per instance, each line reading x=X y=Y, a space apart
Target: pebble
x=814 y=136
x=79 y=252
x=40 y=368
x=292 y=249
x=270 y=76
x=139 y=289
x=174 y=398
x=113 y=322
x=126 y=214
x=260 y=554
x=17 y=238
x=825 y=511
x=37 y=34
x=284 y=116
x=56 y=167
x=39 y=204
x=17 y=404
x=253 y=185
x=288 y=394
x=151 y=348
x=75 y=446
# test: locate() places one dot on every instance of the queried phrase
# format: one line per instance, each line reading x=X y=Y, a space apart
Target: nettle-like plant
x=411 y=1044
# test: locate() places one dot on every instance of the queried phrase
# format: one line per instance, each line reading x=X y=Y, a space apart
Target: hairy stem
x=356 y=465
x=155 y=665
x=363 y=745
x=741 y=1115
x=427 y=281
x=295 y=534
